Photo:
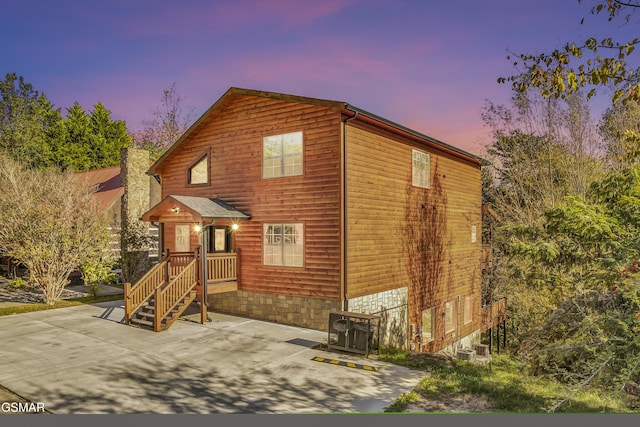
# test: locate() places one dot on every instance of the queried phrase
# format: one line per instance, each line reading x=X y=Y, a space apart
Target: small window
x=449 y=317
x=283 y=245
x=420 y=169
x=182 y=238
x=468 y=309
x=199 y=173
x=427 y=324
x=282 y=155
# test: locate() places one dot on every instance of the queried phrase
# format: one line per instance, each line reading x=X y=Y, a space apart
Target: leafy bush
x=96 y=272
x=17 y=283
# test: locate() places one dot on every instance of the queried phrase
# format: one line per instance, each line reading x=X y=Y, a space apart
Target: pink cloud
x=216 y=18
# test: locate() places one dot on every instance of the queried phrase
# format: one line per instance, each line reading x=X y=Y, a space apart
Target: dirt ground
x=466 y=403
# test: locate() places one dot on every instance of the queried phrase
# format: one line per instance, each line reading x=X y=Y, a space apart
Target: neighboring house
x=308 y=207
x=120 y=190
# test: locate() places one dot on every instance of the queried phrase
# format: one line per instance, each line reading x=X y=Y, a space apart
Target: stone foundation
x=296 y=311
x=391 y=306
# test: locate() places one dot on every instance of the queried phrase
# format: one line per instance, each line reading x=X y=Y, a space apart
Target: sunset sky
x=429 y=65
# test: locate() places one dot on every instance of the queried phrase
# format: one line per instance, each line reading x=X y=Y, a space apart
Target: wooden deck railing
x=178 y=261
x=494 y=313
x=136 y=296
x=222 y=267
x=167 y=297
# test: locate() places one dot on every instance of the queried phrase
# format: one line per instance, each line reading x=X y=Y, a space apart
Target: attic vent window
x=199 y=172
x=282 y=155
x=420 y=169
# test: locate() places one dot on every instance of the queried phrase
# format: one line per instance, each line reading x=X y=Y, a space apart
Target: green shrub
x=17 y=283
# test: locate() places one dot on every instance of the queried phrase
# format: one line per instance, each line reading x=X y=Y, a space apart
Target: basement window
x=428 y=316
x=420 y=169
x=449 y=317
x=468 y=309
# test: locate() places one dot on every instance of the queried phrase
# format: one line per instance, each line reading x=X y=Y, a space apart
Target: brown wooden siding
x=233 y=135
x=378 y=175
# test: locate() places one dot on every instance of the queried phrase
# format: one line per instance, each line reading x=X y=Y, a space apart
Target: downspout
x=205 y=273
x=345 y=295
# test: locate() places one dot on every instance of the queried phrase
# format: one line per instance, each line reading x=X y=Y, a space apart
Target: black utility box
x=353 y=332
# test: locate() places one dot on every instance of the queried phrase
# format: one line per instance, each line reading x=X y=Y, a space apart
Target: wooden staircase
x=145 y=316
x=163 y=293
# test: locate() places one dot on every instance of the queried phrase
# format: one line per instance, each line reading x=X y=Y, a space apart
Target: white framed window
x=420 y=169
x=449 y=317
x=282 y=155
x=468 y=309
x=283 y=245
x=199 y=172
x=428 y=317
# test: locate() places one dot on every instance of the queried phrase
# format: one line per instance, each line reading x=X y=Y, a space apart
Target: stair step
x=142 y=322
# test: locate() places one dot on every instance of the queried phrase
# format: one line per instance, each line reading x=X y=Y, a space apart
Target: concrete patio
x=82 y=360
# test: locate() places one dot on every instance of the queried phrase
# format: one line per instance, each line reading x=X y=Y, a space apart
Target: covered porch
x=190 y=225
x=199 y=259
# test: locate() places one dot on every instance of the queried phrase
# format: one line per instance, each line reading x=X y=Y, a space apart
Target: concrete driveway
x=82 y=360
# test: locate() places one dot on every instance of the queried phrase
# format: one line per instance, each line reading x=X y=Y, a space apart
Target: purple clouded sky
x=429 y=65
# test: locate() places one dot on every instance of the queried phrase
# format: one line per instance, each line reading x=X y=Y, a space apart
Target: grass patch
x=504 y=383
x=29 y=308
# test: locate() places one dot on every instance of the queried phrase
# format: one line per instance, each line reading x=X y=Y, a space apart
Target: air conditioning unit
x=481 y=349
x=466 y=354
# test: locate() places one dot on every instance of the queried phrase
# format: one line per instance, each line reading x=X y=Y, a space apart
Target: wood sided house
x=305 y=207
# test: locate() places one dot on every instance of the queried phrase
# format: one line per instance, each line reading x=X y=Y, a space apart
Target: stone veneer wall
x=391 y=306
x=466 y=342
x=297 y=311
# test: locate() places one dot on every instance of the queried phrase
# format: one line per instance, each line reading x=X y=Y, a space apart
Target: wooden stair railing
x=172 y=299
x=136 y=296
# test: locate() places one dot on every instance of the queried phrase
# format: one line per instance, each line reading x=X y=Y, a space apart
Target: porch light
x=197 y=228
x=234 y=227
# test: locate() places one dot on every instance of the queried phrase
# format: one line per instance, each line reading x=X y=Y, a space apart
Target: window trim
x=282 y=156
x=427 y=170
x=282 y=244
x=204 y=156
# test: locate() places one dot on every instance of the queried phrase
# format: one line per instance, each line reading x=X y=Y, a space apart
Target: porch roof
x=176 y=208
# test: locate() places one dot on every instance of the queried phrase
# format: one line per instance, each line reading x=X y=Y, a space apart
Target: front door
x=219 y=239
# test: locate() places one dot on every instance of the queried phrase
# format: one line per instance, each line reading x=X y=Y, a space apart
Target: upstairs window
x=282 y=155
x=420 y=169
x=199 y=172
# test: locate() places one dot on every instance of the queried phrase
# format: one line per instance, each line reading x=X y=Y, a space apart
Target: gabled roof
x=211 y=208
x=198 y=209
x=350 y=110
x=107 y=184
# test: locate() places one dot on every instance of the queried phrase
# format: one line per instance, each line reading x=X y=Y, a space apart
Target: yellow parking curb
x=343 y=363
